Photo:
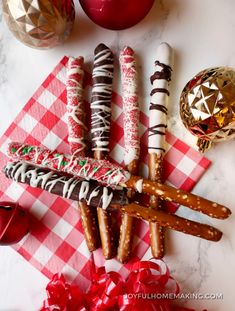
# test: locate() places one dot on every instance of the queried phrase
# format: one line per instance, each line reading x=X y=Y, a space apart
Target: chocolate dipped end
x=66 y=186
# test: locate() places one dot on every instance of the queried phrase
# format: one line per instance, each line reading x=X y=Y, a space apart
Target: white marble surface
x=202 y=34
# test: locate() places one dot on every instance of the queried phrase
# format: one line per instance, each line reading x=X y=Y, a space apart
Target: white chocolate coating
x=159 y=99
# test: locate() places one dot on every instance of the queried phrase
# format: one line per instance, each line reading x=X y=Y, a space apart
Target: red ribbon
x=63 y=296
x=144 y=290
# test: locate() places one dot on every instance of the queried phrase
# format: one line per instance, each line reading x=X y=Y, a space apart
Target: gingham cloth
x=56 y=242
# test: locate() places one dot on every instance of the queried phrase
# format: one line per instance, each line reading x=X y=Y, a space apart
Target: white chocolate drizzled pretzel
x=160 y=93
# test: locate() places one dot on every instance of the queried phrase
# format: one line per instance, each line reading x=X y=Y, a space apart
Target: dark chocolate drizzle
x=160 y=90
x=165 y=73
x=154 y=129
x=158 y=107
x=158 y=148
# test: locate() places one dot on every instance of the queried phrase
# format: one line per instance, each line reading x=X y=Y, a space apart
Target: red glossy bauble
x=14 y=223
x=116 y=14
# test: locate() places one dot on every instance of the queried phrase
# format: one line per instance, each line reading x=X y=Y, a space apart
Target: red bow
x=147 y=288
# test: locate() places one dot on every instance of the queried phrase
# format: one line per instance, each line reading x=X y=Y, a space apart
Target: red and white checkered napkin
x=56 y=240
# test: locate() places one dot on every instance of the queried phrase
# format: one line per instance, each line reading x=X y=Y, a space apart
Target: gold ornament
x=207 y=106
x=39 y=24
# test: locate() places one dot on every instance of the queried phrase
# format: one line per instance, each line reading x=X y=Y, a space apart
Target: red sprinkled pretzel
x=131 y=141
x=76 y=139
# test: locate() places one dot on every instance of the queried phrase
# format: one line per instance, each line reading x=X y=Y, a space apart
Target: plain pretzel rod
x=113 y=175
x=102 y=79
x=76 y=189
x=131 y=141
x=172 y=221
x=158 y=109
x=76 y=139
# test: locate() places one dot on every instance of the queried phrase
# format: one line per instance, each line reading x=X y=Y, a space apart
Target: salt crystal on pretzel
x=112 y=175
x=131 y=140
x=75 y=109
x=160 y=81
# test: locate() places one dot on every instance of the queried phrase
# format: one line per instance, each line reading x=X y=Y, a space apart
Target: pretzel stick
x=131 y=141
x=160 y=81
x=102 y=77
x=76 y=189
x=76 y=129
x=113 y=175
x=172 y=221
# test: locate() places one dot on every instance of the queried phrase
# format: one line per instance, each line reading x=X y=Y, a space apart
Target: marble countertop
x=202 y=35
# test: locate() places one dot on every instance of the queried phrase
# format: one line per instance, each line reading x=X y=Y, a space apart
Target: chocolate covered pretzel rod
x=113 y=175
x=102 y=78
x=131 y=141
x=160 y=81
x=66 y=186
x=76 y=139
x=74 y=188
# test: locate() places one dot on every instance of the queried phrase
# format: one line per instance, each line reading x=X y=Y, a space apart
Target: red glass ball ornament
x=14 y=223
x=116 y=14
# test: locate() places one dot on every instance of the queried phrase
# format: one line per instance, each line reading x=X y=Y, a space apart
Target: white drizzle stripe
x=75 y=110
x=159 y=99
x=84 y=190
x=38 y=178
x=139 y=185
x=102 y=76
x=130 y=105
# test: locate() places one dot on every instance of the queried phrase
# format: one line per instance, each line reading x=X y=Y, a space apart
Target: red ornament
x=14 y=223
x=116 y=14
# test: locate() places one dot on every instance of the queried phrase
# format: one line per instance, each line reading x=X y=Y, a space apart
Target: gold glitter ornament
x=207 y=106
x=39 y=24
